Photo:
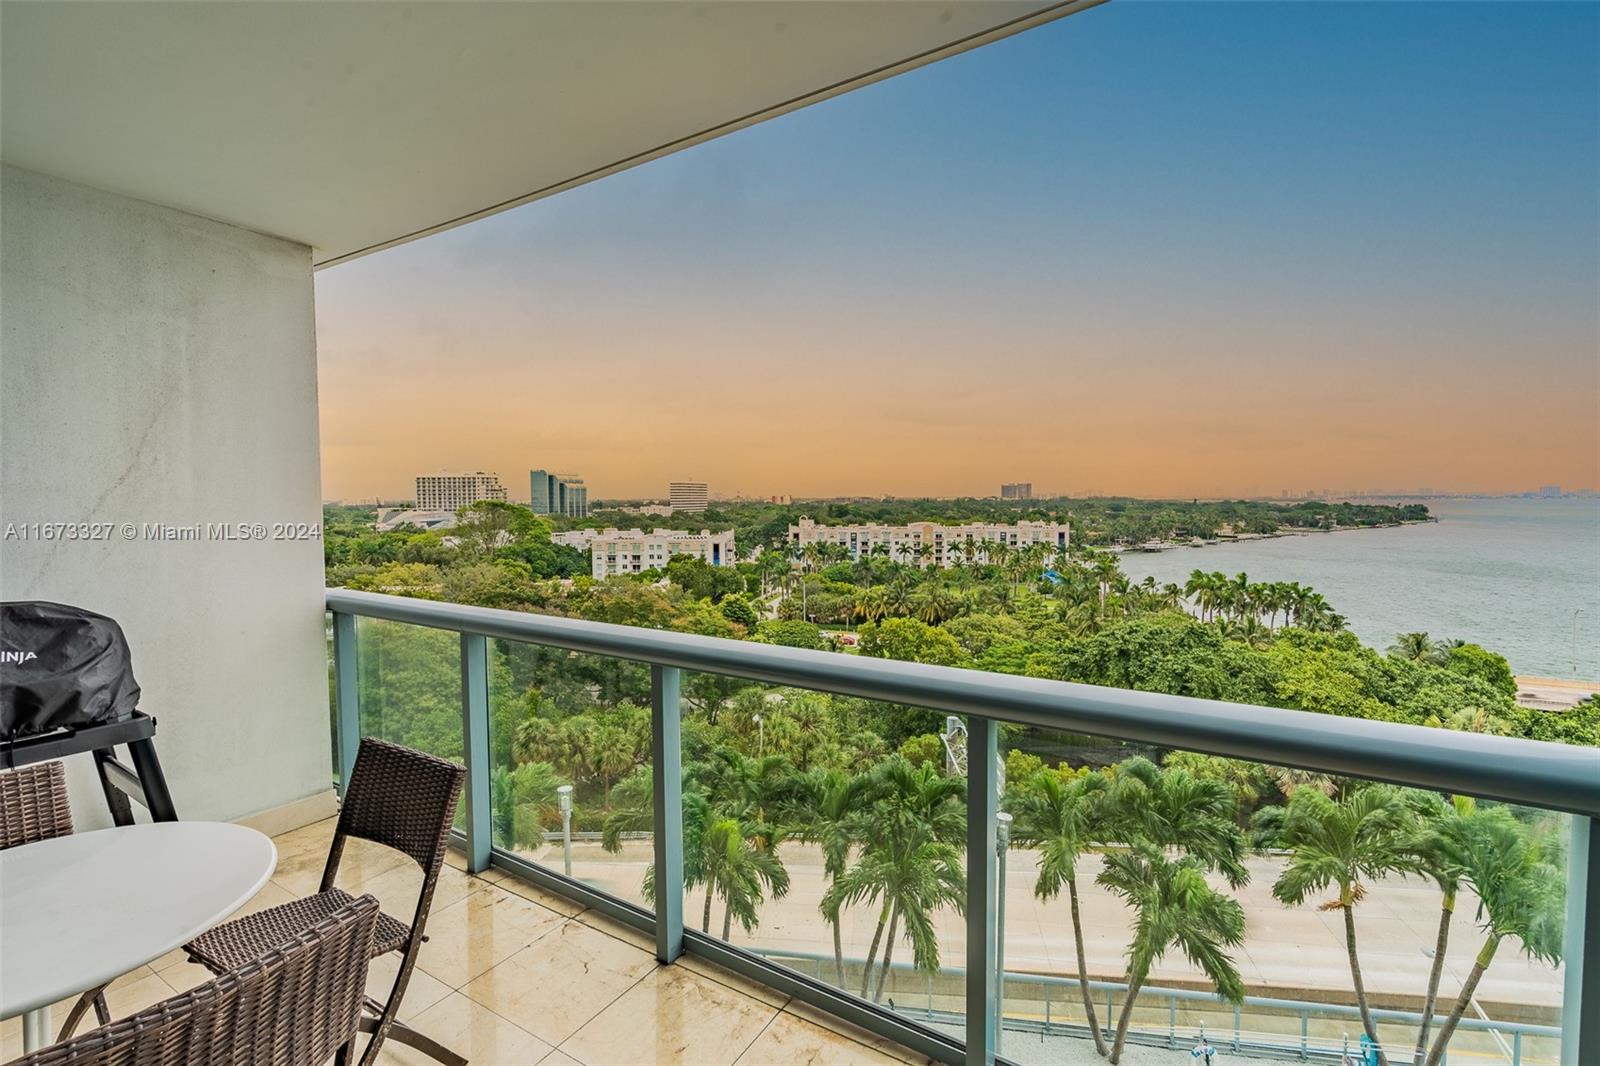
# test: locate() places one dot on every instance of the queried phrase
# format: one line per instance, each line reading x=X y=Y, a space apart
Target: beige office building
x=447 y=492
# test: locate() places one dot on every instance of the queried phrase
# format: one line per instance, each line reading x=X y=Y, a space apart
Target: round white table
x=80 y=910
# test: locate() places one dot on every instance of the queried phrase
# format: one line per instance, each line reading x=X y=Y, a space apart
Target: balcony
x=173 y=176
x=425 y=669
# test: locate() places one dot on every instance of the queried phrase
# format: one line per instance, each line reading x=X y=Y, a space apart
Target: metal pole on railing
x=1580 y=953
x=346 y=693
x=475 y=745
x=982 y=806
x=1172 y=1021
x=564 y=793
x=1002 y=843
x=666 y=753
x=1305 y=1036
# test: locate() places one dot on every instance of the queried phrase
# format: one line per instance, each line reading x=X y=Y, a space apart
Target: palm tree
x=1414 y=647
x=1342 y=844
x=1521 y=893
x=825 y=812
x=741 y=872
x=1440 y=859
x=910 y=861
x=1173 y=906
x=1063 y=819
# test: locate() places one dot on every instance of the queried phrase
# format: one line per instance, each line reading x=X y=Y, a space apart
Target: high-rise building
x=1017 y=490
x=448 y=492
x=631 y=551
x=563 y=494
x=933 y=544
x=688 y=497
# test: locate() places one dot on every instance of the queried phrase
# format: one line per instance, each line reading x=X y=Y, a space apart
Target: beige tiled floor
x=513 y=976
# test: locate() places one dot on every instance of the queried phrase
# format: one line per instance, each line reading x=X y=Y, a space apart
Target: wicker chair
x=34 y=807
x=397 y=797
x=296 y=1005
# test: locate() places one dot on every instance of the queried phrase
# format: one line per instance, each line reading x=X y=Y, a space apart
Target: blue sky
x=1153 y=248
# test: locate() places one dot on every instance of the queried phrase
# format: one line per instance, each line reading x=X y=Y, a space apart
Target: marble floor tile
x=560 y=981
x=672 y=1016
x=471 y=1030
x=487 y=927
x=793 y=1041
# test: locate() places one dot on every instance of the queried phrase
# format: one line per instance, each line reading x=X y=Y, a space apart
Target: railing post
x=1580 y=1002
x=475 y=736
x=666 y=750
x=982 y=806
x=346 y=694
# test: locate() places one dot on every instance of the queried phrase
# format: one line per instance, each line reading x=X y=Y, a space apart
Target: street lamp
x=1002 y=843
x=761 y=736
x=1575 y=615
x=564 y=793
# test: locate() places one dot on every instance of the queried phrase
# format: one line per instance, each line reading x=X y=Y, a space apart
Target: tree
x=825 y=812
x=910 y=640
x=737 y=609
x=1521 y=893
x=910 y=862
x=1063 y=819
x=1342 y=844
x=1173 y=906
x=1439 y=858
x=1416 y=648
x=1471 y=660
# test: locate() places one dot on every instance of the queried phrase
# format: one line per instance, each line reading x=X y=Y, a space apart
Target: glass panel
x=410 y=686
x=569 y=744
x=1250 y=880
x=828 y=834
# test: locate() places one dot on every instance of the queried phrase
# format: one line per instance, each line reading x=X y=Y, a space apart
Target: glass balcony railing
x=1157 y=871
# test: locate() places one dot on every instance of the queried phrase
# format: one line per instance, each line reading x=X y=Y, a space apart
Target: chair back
x=297 y=1004
x=402 y=798
x=33 y=804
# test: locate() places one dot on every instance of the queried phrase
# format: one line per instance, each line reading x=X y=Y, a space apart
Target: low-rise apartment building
x=930 y=543
x=632 y=551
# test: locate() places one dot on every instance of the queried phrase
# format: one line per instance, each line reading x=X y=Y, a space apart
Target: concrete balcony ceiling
x=353 y=126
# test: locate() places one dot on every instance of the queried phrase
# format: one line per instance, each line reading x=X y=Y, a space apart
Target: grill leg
x=148 y=767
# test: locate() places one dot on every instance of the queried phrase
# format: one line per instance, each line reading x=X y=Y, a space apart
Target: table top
x=80 y=910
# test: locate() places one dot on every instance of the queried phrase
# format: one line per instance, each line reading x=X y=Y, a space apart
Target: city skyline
x=1150 y=250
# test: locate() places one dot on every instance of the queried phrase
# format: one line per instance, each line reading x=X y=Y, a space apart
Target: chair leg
x=401 y=1033
x=385 y=1025
x=95 y=998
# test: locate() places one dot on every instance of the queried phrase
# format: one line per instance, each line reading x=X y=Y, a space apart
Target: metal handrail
x=1534 y=773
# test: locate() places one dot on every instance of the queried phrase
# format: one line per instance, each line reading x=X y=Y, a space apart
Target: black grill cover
x=61 y=666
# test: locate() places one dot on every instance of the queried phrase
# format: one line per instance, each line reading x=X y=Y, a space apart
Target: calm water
x=1507 y=574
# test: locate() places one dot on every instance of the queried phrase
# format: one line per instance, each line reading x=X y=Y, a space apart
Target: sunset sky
x=1151 y=249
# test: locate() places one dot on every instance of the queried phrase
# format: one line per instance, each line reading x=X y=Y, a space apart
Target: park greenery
x=876 y=788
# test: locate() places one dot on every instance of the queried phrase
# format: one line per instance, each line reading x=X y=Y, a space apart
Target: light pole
x=1575 y=615
x=564 y=792
x=761 y=736
x=1002 y=843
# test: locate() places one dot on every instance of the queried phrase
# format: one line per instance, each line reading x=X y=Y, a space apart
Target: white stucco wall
x=157 y=367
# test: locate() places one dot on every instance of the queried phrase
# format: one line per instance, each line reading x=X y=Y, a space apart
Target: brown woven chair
x=34 y=807
x=397 y=797
x=296 y=1005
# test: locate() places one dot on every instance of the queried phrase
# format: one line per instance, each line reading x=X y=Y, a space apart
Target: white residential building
x=632 y=551
x=689 y=497
x=930 y=543
x=447 y=492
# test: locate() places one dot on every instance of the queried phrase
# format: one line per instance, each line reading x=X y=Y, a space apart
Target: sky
x=1158 y=249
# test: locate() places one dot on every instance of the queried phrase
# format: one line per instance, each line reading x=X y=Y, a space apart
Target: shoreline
x=1154 y=547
